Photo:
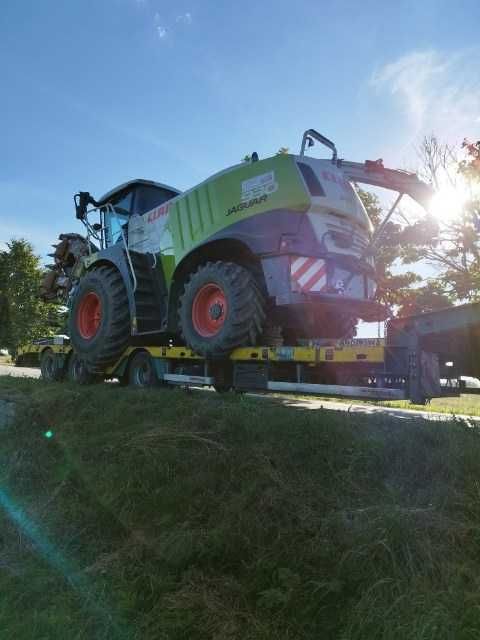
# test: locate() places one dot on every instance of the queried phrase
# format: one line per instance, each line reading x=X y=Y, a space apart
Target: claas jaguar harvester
x=270 y=251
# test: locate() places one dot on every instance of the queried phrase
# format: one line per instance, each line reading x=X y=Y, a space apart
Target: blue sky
x=97 y=92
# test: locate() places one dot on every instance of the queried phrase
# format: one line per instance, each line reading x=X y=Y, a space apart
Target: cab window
x=123 y=203
x=114 y=223
x=149 y=197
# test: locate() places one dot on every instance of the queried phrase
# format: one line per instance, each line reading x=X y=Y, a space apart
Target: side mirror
x=82 y=199
x=97 y=226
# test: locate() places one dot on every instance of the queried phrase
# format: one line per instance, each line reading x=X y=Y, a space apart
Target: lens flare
x=448 y=202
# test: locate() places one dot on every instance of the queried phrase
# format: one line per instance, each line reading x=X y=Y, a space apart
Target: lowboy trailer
x=408 y=363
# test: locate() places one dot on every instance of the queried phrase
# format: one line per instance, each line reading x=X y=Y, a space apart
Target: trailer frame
x=406 y=365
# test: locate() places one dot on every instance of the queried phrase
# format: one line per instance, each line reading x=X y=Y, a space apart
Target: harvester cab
x=268 y=251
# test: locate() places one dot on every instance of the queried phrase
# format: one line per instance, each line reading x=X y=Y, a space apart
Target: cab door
x=114 y=224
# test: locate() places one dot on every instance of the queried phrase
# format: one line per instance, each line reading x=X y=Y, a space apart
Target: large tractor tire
x=222 y=308
x=99 y=321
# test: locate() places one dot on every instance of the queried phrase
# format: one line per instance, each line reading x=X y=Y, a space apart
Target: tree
x=23 y=317
x=453 y=249
x=470 y=166
x=470 y=169
x=392 y=288
x=402 y=291
x=449 y=243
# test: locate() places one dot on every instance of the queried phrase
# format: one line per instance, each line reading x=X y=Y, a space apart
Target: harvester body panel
x=300 y=210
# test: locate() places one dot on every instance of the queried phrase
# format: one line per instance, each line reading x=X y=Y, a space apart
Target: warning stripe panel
x=308 y=274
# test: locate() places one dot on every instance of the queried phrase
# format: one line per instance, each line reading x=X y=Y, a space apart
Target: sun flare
x=449 y=201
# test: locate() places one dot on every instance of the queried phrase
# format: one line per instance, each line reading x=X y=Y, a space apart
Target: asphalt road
x=371 y=409
x=304 y=403
x=26 y=372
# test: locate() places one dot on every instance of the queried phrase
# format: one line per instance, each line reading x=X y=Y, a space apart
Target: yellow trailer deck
x=305 y=369
x=408 y=363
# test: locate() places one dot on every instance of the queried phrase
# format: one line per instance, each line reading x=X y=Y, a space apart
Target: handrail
x=311 y=133
x=109 y=207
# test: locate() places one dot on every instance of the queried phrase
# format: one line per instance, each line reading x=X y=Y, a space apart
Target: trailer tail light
x=308 y=275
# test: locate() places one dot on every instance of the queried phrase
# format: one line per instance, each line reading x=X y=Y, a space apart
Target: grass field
x=466 y=404
x=158 y=515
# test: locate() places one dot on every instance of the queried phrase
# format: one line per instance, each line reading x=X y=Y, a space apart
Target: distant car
x=470 y=383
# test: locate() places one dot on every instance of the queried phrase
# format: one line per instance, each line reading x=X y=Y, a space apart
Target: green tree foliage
x=453 y=249
x=402 y=290
x=23 y=317
x=470 y=166
x=392 y=288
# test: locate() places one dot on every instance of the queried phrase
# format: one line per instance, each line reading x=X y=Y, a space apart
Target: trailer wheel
x=79 y=372
x=99 y=320
x=141 y=372
x=221 y=308
x=50 y=367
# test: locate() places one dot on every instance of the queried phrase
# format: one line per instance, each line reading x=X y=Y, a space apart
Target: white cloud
x=186 y=18
x=438 y=92
x=161 y=32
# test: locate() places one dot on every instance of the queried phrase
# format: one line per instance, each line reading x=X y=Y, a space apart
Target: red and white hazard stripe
x=308 y=274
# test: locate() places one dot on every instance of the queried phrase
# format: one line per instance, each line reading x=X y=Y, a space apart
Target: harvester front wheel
x=99 y=322
x=222 y=308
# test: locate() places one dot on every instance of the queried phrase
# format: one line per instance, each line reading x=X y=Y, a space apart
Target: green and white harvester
x=274 y=251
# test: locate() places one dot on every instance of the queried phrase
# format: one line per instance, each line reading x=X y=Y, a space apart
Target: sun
x=448 y=202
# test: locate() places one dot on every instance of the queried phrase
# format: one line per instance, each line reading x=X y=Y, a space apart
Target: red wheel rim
x=89 y=315
x=209 y=310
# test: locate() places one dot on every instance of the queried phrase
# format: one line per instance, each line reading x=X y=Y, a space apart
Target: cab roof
x=133 y=183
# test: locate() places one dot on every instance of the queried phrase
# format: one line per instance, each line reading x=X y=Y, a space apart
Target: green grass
x=465 y=404
x=165 y=515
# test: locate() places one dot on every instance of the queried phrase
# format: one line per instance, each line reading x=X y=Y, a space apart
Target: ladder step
x=177 y=378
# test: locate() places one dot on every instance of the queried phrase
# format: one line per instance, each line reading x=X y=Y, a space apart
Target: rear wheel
x=99 y=322
x=79 y=372
x=141 y=372
x=51 y=367
x=222 y=308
